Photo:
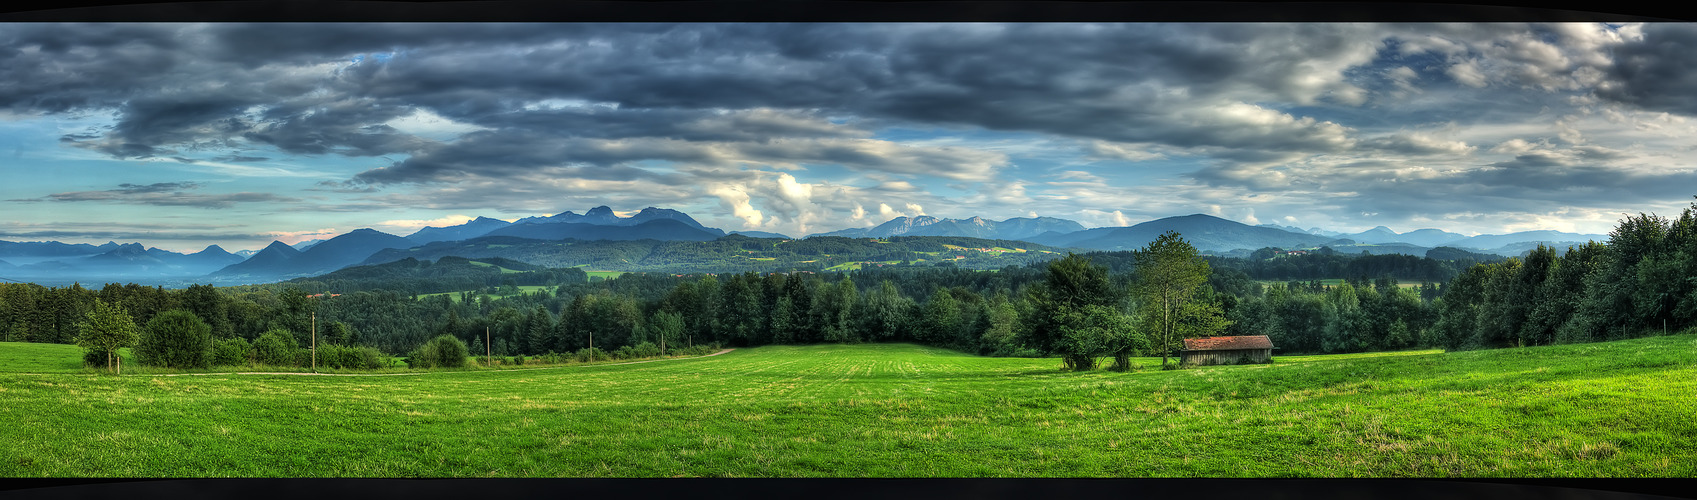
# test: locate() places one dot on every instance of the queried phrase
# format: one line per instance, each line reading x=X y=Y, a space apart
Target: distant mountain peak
x=278 y=245
x=600 y=211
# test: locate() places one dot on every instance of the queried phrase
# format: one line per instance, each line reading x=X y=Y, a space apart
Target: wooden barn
x=1226 y=350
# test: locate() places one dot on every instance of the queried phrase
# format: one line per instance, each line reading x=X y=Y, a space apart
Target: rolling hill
x=1205 y=232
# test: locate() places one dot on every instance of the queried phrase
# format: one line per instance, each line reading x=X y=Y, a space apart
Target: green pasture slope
x=1620 y=409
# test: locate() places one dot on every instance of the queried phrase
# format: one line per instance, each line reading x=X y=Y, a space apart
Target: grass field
x=43 y=358
x=523 y=289
x=503 y=269
x=1591 y=410
x=1340 y=281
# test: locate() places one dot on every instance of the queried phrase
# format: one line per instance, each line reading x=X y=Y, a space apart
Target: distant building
x=1226 y=350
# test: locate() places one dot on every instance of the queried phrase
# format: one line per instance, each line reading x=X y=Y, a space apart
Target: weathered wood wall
x=1225 y=357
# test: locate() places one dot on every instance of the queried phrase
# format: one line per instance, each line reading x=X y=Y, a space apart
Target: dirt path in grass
x=414 y=373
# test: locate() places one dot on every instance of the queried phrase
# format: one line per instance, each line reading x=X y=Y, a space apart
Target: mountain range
x=1206 y=232
x=53 y=261
x=282 y=261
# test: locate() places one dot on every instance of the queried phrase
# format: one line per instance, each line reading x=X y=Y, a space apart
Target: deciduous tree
x=1169 y=273
x=106 y=328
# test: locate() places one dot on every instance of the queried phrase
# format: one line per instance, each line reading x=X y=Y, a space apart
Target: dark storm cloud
x=1656 y=73
x=517 y=152
x=329 y=89
x=690 y=125
x=55 y=68
x=545 y=105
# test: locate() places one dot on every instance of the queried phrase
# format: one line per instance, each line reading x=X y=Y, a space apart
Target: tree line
x=1639 y=281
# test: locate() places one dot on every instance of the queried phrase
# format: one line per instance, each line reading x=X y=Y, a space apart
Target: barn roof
x=1228 y=343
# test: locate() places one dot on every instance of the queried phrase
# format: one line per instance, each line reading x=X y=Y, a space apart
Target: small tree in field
x=107 y=328
x=1170 y=272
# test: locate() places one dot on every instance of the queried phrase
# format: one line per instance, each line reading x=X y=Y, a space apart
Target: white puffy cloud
x=415 y=224
x=734 y=199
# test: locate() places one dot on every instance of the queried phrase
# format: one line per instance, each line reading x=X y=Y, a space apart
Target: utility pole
x=314 y=342
x=488 y=352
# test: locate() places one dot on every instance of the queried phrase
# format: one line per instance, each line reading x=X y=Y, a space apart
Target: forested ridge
x=1639 y=282
x=736 y=253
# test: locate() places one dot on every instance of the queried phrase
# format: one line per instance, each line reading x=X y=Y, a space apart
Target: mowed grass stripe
x=1616 y=409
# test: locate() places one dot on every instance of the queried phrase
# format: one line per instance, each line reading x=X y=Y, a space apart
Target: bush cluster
x=357 y=357
x=94 y=358
x=175 y=339
x=276 y=347
x=553 y=358
x=697 y=350
x=639 y=351
x=588 y=354
x=446 y=351
x=231 y=352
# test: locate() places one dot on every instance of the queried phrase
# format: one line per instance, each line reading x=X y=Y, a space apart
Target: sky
x=184 y=135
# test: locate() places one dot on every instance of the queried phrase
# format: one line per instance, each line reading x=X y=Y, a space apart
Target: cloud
x=1654 y=72
x=1115 y=151
x=1418 y=144
x=737 y=201
x=702 y=93
x=164 y=194
x=415 y=224
x=810 y=125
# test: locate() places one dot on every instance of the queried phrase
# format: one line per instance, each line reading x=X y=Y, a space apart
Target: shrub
x=446 y=351
x=450 y=351
x=424 y=356
x=588 y=354
x=341 y=356
x=94 y=358
x=518 y=360
x=231 y=352
x=176 y=339
x=646 y=350
x=276 y=347
x=624 y=352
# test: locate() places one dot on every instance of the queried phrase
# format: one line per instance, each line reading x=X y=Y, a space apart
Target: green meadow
x=523 y=290
x=1618 y=409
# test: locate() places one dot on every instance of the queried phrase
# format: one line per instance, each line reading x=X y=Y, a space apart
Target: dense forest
x=737 y=253
x=1639 y=281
